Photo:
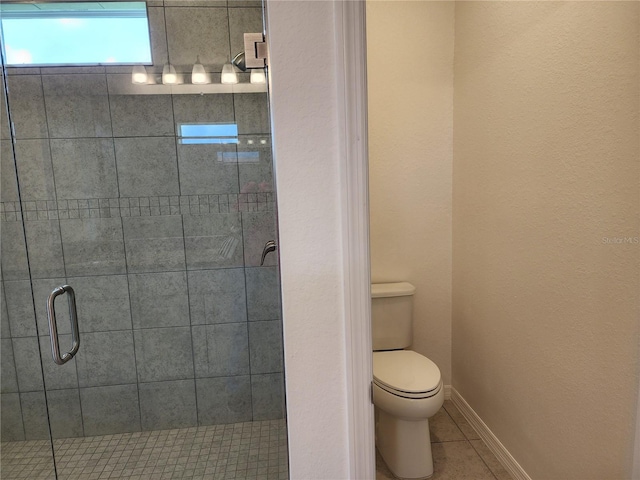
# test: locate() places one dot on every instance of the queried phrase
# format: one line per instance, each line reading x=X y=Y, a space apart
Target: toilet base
x=405 y=445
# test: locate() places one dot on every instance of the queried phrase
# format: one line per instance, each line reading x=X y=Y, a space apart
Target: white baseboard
x=447 y=392
x=635 y=472
x=492 y=442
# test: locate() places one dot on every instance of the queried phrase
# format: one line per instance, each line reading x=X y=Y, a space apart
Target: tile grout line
x=126 y=262
x=184 y=244
x=469 y=440
x=193 y=349
x=483 y=460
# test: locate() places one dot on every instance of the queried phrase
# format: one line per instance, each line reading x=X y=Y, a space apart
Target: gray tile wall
x=180 y=326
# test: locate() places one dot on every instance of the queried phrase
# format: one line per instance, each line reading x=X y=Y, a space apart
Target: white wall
x=410 y=83
x=307 y=157
x=546 y=167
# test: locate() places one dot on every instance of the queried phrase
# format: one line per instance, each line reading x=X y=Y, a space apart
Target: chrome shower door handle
x=53 y=326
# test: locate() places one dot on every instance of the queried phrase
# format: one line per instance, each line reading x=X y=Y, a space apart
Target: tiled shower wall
x=161 y=240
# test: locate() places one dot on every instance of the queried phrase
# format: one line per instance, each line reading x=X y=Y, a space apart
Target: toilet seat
x=406 y=374
x=411 y=396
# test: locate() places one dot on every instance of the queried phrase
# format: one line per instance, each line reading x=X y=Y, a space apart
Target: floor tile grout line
x=458 y=424
x=482 y=458
x=469 y=440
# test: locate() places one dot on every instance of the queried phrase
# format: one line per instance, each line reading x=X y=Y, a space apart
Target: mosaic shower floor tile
x=250 y=450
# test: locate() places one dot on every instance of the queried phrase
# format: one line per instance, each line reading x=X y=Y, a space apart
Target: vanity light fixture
x=258 y=76
x=169 y=75
x=229 y=75
x=198 y=74
x=139 y=75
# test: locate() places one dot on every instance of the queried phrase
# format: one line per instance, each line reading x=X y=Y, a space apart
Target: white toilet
x=407 y=387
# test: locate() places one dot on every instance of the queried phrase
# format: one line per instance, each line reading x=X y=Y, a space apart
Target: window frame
x=3 y=42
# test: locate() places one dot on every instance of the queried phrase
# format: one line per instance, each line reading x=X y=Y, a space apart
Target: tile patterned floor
x=251 y=450
x=458 y=452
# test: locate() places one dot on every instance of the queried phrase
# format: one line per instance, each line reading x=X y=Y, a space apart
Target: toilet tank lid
x=398 y=289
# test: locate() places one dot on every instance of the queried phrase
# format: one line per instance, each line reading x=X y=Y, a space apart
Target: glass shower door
x=152 y=197
x=25 y=434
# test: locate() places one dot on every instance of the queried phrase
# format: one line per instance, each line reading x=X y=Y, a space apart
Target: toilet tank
x=391 y=315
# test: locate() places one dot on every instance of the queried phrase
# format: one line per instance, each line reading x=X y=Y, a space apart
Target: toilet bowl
x=408 y=383
x=407 y=391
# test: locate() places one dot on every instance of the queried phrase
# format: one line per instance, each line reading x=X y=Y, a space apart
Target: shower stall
x=149 y=198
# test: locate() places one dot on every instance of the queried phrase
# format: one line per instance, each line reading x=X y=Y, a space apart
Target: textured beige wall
x=410 y=84
x=546 y=167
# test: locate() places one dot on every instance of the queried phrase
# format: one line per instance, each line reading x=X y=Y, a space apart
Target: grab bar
x=53 y=326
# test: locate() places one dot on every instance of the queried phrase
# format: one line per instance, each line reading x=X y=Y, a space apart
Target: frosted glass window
x=96 y=33
x=208 y=133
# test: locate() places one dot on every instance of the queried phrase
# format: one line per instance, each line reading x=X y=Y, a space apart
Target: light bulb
x=169 y=75
x=198 y=74
x=139 y=75
x=258 y=76
x=229 y=75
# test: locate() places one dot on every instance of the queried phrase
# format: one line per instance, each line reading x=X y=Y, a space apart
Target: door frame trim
x=350 y=23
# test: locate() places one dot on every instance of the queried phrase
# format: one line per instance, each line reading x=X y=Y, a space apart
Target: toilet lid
x=405 y=371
